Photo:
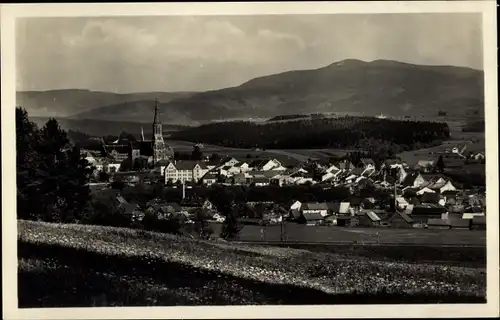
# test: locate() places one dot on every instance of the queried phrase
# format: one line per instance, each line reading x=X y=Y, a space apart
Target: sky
x=199 y=53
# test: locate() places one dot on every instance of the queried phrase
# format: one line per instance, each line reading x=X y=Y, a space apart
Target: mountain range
x=354 y=86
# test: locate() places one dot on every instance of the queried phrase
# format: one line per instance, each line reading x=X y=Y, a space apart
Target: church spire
x=157 y=113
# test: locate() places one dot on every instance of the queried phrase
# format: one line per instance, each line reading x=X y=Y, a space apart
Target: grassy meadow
x=83 y=266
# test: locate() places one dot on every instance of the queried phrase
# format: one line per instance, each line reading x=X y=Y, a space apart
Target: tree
x=126 y=165
x=103 y=176
x=440 y=165
x=52 y=176
x=201 y=225
x=215 y=157
x=196 y=154
x=231 y=226
x=140 y=164
x=27 y=161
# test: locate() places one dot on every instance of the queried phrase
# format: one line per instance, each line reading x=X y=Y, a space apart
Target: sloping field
x=78 y=265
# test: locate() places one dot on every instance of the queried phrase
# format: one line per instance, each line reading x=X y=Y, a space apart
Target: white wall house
x=447 y=187
x=185 y=171
x=425 y=190
x=230 y=162
x=296 y=205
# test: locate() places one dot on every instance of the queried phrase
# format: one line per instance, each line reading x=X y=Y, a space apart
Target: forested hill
x=343 y=133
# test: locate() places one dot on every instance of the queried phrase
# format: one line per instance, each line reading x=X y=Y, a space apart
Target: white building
x=185 y=171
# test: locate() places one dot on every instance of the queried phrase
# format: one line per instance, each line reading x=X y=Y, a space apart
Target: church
x=154 y=150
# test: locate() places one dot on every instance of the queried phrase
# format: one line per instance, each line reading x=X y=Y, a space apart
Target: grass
x=78 y=266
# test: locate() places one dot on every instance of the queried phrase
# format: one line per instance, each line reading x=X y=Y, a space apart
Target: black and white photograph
x=164 y=158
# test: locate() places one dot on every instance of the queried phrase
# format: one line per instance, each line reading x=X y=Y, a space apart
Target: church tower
x=159 y=150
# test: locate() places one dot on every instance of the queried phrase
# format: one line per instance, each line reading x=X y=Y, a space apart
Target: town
x=414 y=195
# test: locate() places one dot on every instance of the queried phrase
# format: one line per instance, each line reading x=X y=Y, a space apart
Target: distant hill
x=103 y=127
x=64 y=103
x=349 y=86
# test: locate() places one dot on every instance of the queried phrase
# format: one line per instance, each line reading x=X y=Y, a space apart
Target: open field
x=78 y=266
x=325 y=234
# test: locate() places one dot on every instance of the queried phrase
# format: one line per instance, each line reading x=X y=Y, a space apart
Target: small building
x=399 y=220
x=311 y=218
x=261 y=182
x=315 y=207
x=369 y=218
x=239 y=179
x=471 y=215
x=209 y=178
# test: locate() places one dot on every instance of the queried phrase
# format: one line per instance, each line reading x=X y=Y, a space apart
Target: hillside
x=367 y=133
x=64 y=103
x=381 y=86
x=105 y=266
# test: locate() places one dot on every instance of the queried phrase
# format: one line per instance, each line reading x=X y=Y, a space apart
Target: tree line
x=51 y=175
x=339 y=133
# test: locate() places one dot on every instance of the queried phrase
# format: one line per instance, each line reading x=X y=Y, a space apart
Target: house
x=345 y=165
x=296 y=205
x=130 y=178
x=185 y=171
x=332 y=168
x=369 y=218
x=478 y=156
x=218 y=218
x=443 y=187
x=368 y=164
x=228 y=161
x=401 y=202
x=242 y=167
x=438 y=224
x=295 y=214
x=331 y=220
x=132 y=210
x=424 y=190
x=209 y=178
x=113 y=167
x=261 y=181
x=264 y=165
x=392 y=164
x=413 y=180
x=239 y=179
x=311 y=218
x=430 y=198
x=422 y=213
x=330 y=175
x=471 y=215
x=282 y=179
x=399 y=220
x=314 y=207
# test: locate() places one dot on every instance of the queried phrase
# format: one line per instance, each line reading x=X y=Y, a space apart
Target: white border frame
x=9 y=235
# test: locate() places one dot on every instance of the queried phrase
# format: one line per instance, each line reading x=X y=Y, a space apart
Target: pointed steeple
x=157 y=113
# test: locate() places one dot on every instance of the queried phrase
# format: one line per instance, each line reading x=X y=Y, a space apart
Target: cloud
x=173 y=53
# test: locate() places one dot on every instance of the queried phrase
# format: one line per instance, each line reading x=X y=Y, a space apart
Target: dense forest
x=340 y=133
x=296 y=117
